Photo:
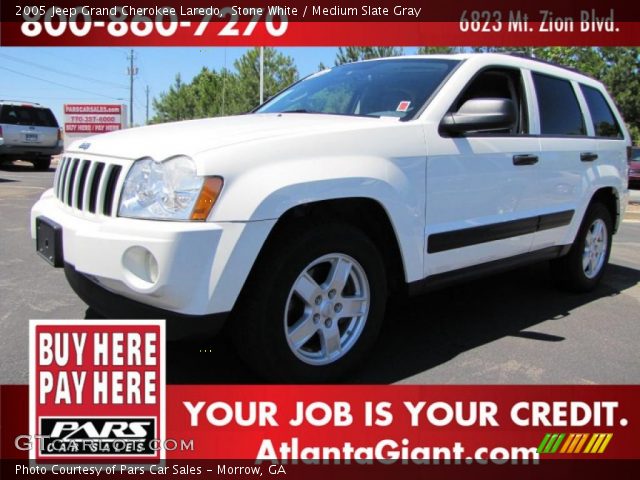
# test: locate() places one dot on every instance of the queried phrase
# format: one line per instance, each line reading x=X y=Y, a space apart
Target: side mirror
x=480 y=114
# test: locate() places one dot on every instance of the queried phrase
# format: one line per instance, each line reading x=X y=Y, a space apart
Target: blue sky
x=55 y=76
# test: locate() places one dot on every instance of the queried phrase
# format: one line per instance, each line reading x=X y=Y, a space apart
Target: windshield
x=635 y=155
x=390 y=88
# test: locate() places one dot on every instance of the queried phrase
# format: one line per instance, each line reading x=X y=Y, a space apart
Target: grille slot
x=110 y=190
x=86 y=185
x=56 y=177
x=84 y=171
x=73 y=169
x=95 y=183
x=63 y=177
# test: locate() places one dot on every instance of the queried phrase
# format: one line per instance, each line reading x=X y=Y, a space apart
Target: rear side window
x=33 y=116
x=604 y=123
x=560 y=112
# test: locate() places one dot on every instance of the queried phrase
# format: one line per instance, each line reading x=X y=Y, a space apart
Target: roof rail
x=522 y=54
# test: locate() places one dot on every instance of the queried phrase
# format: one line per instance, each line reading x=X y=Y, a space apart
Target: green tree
x=173 y=105
x=213 y=93
x=439 y=50
x=209 y=94
x=587 y=60
x=621 y=74
x=280 y=71
x=354 y=54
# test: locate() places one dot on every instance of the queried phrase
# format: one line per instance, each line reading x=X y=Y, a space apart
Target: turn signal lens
x=206 y=200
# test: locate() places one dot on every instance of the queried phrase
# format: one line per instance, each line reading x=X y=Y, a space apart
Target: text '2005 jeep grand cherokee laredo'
x=359 y=181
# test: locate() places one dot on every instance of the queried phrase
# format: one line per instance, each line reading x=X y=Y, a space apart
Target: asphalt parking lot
x=510 y=328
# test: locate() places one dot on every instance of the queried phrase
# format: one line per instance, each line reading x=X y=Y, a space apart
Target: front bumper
x=201 y=267
x=111 y=305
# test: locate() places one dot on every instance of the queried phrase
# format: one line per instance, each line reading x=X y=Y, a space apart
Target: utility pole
x=132 y=72
x=147 y=92
x=224 y=78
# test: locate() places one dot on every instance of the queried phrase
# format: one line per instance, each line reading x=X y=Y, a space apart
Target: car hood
x=196 y=136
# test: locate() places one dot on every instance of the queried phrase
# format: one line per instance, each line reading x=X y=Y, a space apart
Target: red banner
x=290 y=23
x=335 y=33
x=404 y=425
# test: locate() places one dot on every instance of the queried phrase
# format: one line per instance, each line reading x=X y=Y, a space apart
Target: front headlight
x=168 y=190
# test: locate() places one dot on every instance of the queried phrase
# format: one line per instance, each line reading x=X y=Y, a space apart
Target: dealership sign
x=97 y=390
x=89 y=119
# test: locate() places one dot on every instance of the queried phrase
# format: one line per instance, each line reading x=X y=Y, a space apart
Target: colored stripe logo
x=592 y=443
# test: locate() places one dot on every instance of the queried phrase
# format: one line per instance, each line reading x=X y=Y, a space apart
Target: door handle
x=526 y=159
x=588 y=156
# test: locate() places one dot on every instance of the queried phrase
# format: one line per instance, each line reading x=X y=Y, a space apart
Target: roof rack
x=546 y=62
x=17 y=102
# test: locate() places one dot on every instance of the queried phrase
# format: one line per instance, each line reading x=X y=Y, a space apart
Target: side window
x=604 y=123
x=9 y=115
x=560 y=112
x=499 y=83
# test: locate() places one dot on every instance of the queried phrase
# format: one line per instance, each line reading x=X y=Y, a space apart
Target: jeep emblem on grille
x=85 y=146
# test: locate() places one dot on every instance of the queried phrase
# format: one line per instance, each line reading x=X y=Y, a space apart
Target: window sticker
x=403 y=106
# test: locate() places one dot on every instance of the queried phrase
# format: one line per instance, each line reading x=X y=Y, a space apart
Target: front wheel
x=582 y=268
x=314 y=306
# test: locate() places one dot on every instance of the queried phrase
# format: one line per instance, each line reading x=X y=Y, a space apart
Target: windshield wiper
x=302 y=110
x=299 y=110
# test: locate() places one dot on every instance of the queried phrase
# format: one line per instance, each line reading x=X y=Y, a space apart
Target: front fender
x=267 y=191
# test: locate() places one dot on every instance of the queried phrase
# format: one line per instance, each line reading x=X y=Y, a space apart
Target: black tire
x=568 y=270
x=258 y=323
x=42 y=164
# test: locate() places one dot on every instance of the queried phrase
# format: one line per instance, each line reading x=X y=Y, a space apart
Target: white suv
x=372 y=178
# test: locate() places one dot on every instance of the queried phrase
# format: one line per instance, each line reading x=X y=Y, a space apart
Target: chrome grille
x=87 y=185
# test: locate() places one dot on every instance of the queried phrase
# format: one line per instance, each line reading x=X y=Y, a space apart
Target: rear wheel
x=42 y=164
x=314 y=307
x=582 y=268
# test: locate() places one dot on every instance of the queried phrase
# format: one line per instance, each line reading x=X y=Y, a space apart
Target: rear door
x=611 y=143
x=25 y=125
